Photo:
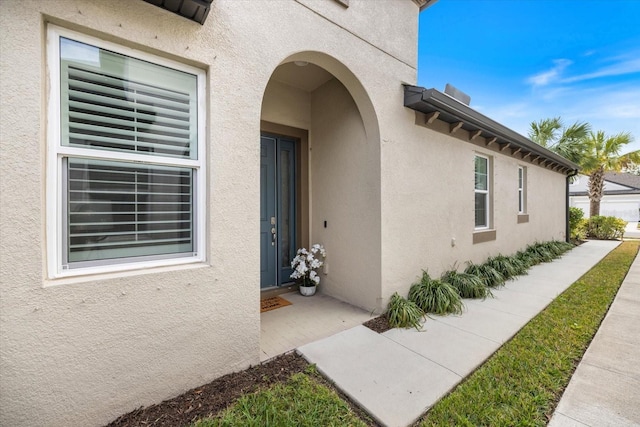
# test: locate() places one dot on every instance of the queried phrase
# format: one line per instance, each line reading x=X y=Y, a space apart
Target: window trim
x=486 y=192
x=54 y=204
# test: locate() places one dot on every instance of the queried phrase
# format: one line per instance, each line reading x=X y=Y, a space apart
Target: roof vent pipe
x=457 y=94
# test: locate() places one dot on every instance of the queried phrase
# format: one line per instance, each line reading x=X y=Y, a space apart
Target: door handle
x=273 y=236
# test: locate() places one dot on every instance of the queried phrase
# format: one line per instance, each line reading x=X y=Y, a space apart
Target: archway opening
x=315 y=105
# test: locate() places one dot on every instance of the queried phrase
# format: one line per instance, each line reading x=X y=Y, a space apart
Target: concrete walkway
x=397 y=376
x=605 y=389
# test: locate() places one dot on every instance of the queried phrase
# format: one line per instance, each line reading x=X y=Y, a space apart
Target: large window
x=481 y=192
x=126 y=163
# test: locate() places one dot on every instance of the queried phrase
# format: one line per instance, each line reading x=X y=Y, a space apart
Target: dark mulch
x=211 y=398
x=379 y=324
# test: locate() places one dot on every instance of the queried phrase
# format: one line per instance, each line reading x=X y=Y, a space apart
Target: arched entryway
x=320 y=177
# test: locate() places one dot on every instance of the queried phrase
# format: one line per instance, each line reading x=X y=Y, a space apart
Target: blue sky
x=525 y=60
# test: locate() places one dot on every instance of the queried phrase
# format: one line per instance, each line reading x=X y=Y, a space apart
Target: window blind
x=114 y=102
x=118 y=209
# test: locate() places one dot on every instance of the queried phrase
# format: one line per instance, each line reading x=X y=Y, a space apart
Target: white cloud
x=628 y=66
x=550 y=76
x=612 y=108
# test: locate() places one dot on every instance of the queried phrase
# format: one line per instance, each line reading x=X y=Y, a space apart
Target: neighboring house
x=159 y=172
x=621 y=195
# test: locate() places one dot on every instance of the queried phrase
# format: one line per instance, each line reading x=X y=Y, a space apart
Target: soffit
x=307 y=78
x=195 y=10
x=423 y=4
x=439 y=106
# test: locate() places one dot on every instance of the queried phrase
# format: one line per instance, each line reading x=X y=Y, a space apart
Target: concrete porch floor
x=306 y=320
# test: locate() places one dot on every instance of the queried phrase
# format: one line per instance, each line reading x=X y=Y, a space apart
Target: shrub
x=435 y=296
x=559 y=247
x=402 y=313
x=509 y=267
x=467 y=285
x=576 y=216
x=540 y=252
x=606 y=227
x=527 y=259
x=489 y=275
x=580 y=231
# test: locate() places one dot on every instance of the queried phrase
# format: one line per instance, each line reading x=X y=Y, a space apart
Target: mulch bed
x=379 y=324
x=212 y=398
x=208 y=400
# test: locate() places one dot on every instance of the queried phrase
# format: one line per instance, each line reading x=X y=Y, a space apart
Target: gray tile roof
x=623 y=178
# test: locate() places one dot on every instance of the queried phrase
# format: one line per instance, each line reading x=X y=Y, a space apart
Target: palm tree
x=602 y=154
x=566 y=141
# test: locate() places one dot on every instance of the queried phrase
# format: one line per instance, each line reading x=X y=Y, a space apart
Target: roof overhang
x=437 y=105
x=195 y=10
x=423 y=4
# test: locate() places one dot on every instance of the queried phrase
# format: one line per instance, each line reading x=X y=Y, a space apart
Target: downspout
x=567 y=231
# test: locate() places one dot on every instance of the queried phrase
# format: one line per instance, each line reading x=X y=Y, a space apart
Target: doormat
x=272 y=303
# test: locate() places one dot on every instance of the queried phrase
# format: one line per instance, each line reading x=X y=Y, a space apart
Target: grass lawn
x=523 y=381
x=519 y=385
x=303 y=400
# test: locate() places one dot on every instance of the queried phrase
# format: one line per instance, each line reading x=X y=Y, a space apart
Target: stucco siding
x=428 y=205
x=394 y=38
x=286 y=105
x=82 y=351
x=345 y=182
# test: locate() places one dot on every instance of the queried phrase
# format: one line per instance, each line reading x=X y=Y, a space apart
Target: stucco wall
x=82 y=351
x=345 y=192
x=376 y=23
x=428 y=200
x=286 y=105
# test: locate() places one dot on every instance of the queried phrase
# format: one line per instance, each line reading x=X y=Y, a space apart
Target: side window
x=482 y=188
x=522 y=189
x=126 y=163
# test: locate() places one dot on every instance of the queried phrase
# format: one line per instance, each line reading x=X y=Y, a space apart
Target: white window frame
x=487 y=193
x=522 y=190
x=55 y=212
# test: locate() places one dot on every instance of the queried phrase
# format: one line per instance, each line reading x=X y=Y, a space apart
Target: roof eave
x=194 y=10
x=450 y=110
x=423 y=4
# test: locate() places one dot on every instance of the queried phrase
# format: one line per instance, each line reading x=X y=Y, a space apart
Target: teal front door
x=277 y=210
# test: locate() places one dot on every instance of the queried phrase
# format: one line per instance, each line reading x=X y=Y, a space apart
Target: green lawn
x=522 y=382
x=301 y=401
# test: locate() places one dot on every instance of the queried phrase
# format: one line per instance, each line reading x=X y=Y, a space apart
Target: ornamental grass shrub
x=527 y=259
x=540 y=252
x=443 y=296
x=509 y=267
x=489 y=275
x=402 y=313
x=435 y=296
x=467 y=285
